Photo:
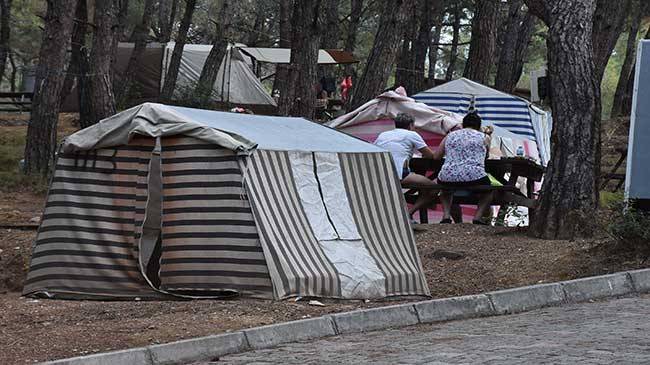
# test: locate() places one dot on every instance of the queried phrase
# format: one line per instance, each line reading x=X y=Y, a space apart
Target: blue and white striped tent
x=495 y=107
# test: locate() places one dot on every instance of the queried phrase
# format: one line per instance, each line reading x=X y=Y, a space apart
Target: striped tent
x=161 y=202
x=515 y=114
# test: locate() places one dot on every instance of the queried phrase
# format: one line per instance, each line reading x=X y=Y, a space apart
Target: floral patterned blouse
x=465 y=153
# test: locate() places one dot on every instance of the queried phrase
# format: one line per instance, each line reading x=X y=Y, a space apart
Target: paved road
x=612 y=332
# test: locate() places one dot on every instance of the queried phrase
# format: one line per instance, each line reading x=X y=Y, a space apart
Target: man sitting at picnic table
x=401 y=142
x=465 y=151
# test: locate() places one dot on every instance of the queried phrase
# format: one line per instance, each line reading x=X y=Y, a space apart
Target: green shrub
x=631 y=229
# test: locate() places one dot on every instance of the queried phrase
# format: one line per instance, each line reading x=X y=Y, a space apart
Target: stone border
x=439 y=310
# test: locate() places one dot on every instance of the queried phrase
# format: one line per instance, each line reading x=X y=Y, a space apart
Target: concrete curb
x=527 y=298
x=494 y=303
x=275 y=334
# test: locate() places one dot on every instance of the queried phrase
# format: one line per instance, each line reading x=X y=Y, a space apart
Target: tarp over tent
x=283 y=55
x=235 y=83
x=495 y=107
x=376 y=116
x=162 y=201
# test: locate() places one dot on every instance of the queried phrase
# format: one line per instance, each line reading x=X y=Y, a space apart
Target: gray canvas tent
x=159 y=201
x=236 y=82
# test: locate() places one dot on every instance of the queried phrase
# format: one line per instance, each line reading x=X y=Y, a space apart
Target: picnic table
x=516 y=167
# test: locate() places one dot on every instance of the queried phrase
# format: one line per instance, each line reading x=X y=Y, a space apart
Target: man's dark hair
x=403 y=121
x=472 y=120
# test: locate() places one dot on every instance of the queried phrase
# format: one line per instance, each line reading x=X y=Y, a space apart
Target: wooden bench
x=503 y=196
x=18 y=101
x=613 y=175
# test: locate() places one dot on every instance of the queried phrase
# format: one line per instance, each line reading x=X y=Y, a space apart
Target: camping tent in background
x=515 y=114
x=235 y=83
x=159 y=200
x=376 y=116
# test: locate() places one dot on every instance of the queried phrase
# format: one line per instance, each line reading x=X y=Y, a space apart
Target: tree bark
x=79 y=30
x=453 y=53
x=422 y=42
x=331 y=35
x=282 y=71
x=629 y=92
x=628 y=63
x=356 y=7
x=404 y=72
x=433 y=48
x=299 y=97
x=5 y=31
x=203 y=90
x=609 y=22
x=175 y=62
x=14 y=71
x=483 y=43
x=140 y=35
x=517 y=32
x=104 y=46
x=41 y=131
x=258 y=25
x=166 y=17
x=382 y=56
x=570 y=192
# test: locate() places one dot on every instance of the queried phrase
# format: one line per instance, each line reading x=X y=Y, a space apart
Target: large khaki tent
x=159 y=201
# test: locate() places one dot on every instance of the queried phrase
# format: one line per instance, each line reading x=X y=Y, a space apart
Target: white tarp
x=283 y=55
x=235 y=83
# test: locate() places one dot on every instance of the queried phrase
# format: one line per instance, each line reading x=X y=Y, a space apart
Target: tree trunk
x=41 y=131
x=282 y=71
x=404 y=72
x=255 y=33
x=453 y=53
x=166 y=17
x=100 y=81
x=609 y=22
x=628 y=62
x=127 y=90
x=516 y=36
x=329 y=39
x=382 y=56
x=80 y=26
x=175 y=62
x=433 y=48
x=5 y=31
x=629 y=92
x=203 y=90
x=331 y=35
x=422 y=43
x=570 y=192
x=356 y=7
x=14 y=71
x=483 y=43
x=299 y=97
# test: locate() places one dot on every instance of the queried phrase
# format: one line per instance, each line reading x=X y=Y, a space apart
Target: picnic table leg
x=530 y=187
x=457 y=213
x=424 y=215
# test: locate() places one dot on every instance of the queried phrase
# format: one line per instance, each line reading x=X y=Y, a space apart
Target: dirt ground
x=458 y=260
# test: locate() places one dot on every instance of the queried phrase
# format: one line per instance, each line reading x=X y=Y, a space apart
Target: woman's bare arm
x=439 y=153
